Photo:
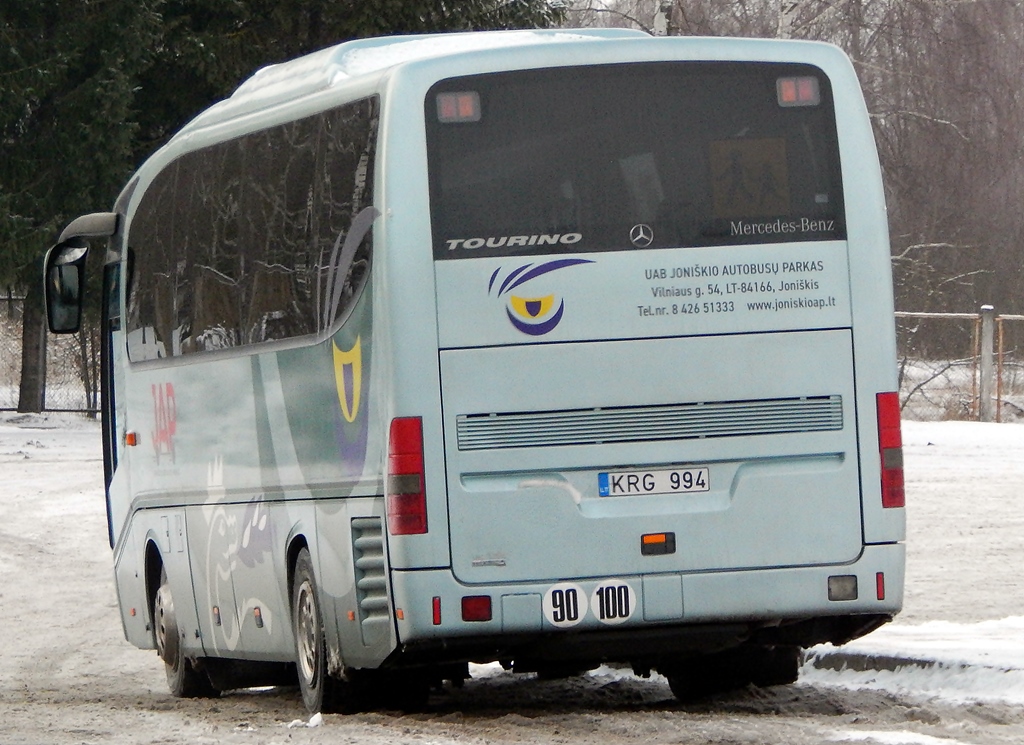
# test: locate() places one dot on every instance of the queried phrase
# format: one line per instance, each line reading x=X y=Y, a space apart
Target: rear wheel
x=776 y=666
x=319 y=689
x=410 y=693
x=732 y=669
x=184 y=680
x=368 y=690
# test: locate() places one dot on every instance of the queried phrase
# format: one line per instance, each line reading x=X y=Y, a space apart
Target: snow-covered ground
x=964 y=607
x=67 y=675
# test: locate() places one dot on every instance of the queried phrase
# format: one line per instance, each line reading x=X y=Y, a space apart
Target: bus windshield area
x=632 y=156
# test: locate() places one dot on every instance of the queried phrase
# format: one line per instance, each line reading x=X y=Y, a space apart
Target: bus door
x=111 y=360
x=117 y=272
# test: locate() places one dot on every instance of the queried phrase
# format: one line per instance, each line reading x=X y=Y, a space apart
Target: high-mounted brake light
x=406 y=495
x=802 y=91
x=890 y=446
x=458 y=107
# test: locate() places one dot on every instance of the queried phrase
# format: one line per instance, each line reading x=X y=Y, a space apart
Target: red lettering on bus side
x=165 y=419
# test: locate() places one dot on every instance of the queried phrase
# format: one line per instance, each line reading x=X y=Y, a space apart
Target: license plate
x=664 y=481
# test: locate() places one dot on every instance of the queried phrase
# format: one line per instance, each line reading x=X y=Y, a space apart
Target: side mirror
x=64 y=281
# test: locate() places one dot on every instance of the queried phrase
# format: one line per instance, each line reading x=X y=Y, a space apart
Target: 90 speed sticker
x=565 y=605
x=613 y=601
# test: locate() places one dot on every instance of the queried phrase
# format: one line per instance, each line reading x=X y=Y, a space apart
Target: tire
x=407 y=691
x=732 y=669
x=319 y=689
x=702 y=677
x=183 y=679
x=410 y=693
x=774 y=666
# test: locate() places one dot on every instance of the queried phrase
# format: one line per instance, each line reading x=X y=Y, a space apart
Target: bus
x=553 y=348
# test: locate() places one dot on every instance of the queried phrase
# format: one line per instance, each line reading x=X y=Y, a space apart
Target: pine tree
x=89 y=89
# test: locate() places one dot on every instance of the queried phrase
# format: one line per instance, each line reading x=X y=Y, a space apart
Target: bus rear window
x=626 y=157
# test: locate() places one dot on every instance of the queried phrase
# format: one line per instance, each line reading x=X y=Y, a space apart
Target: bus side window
x=235 y=240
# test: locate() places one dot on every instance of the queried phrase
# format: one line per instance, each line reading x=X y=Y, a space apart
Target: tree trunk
x=33 y=349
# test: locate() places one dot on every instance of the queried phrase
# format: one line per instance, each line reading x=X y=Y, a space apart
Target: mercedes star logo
x=641 y=235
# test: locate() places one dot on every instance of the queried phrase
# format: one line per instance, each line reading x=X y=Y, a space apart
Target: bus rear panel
x=647 y=367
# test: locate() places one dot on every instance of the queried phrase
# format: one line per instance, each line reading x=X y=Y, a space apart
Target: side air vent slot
x=371 y=578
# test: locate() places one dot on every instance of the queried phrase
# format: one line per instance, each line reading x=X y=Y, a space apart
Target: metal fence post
x=986 y=368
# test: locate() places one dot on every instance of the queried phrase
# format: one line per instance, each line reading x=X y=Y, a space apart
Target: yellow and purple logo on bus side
x=535 y=315
x=351 y=379
x=348 y=377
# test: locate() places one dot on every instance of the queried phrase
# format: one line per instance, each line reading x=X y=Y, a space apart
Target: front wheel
x=184 y=680
x=319 y=689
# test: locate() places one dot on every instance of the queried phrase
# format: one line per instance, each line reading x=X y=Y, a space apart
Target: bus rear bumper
x=671 y=614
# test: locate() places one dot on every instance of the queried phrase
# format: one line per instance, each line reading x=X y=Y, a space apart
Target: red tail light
x=890 y=445
x=476 y=608
x=406 y=496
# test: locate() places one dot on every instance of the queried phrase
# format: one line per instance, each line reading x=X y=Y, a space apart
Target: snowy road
x=67 y=676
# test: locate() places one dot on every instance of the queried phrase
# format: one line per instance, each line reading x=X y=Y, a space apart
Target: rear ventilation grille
x=371 y=578
x=650 y=423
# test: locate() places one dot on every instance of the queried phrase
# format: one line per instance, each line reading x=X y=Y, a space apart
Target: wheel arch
x=154 y=564
x=333 y=641
x=295 y=545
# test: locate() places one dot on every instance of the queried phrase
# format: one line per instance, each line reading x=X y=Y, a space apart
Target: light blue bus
x=553 y=348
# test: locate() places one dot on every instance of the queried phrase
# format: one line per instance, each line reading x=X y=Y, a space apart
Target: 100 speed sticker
x=613 y=601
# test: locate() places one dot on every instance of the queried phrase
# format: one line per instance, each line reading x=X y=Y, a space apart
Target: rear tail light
x=476 y=608
x=406 y=497
x=890 y=446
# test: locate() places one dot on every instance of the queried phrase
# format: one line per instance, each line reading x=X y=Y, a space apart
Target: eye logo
x=533 y=315
x=532 y=307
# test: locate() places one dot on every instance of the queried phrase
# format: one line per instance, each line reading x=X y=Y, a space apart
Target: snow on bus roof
x=367 y=56
x=328 y=67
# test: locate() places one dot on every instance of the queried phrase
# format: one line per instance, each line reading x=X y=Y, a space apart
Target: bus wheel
x=698 y=681
x=734 y=668
x=182 y=677
x=411 y=693
x=773 y=666
x=318 y=688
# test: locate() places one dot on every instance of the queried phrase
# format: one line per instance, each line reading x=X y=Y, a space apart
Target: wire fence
x=71 y=371
x=10 y=350
x=961 y=365
x=951 y=365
